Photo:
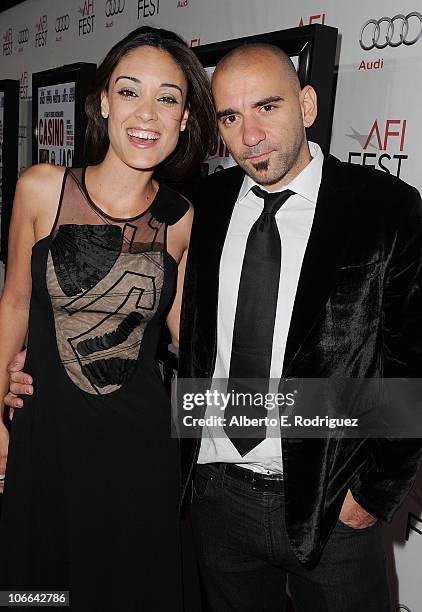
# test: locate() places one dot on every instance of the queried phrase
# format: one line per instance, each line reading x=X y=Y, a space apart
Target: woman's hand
x=20 y=383
x=4 y=447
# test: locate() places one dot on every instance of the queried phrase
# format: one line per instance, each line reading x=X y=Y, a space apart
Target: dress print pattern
x=105 y=284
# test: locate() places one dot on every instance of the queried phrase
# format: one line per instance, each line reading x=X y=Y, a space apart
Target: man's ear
x=309 y=105
x=184 y=120
x=105 y=109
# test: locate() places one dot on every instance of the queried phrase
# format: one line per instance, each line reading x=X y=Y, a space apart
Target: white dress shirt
x=294 y=221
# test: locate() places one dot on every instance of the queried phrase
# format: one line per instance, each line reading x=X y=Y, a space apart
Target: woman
x=92 y=482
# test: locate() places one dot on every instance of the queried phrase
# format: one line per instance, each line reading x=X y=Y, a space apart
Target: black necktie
x=254 y=323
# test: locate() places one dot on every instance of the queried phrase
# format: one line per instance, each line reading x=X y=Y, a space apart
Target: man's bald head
x=242 y=57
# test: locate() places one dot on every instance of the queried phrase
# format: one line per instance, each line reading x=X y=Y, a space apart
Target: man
x=342 y=246
x=348 y=305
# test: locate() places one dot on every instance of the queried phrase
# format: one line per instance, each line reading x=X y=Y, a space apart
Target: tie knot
x=272 y=201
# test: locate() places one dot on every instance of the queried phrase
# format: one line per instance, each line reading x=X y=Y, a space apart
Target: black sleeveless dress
x=92 y=483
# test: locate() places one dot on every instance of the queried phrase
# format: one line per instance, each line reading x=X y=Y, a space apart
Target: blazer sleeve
x=389 y=474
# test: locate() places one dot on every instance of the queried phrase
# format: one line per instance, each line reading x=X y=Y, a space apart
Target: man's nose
x=252 y=133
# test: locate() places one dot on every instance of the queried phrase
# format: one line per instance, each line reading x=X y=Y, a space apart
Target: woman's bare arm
x=32 y=212
x=178 y=237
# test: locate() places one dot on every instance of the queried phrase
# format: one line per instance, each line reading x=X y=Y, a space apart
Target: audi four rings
x=23 y=36
x=396 y=31
x=114 y=7
x=62 y=23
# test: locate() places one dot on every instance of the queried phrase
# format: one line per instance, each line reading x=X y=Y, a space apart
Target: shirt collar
x=305 y=184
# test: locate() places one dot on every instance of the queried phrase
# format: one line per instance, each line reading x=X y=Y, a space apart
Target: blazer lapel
x=218 y=201
x=214 y=226
x=333 y=222
x=230 y=186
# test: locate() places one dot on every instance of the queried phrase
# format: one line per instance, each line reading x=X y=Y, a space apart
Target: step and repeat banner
x=377 y=119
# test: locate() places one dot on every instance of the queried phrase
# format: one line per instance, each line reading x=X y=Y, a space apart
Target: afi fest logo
x=397 y=31
x=23 y=93
x=378 y=144
x=8 y=42
x=61 y=25
x=148 y=8
x=313 y=19
x=23 y=38
x=86 y=22
x=41 y=31
x=113 y=8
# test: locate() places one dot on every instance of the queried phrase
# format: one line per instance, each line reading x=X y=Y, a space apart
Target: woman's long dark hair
x=200 y=133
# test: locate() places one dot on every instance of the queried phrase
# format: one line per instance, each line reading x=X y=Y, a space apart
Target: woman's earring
x=104 y=114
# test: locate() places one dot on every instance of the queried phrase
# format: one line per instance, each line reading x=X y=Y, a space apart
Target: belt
x=265 y=483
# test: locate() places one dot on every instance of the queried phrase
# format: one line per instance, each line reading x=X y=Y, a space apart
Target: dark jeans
x=245 y=557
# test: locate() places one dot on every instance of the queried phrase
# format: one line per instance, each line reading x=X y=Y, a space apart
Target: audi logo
x=62 y=23
x=23 y=36
x=114 y=7
x=386 y=32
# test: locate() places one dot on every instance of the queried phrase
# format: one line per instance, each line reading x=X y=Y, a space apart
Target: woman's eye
x=168 y=100
x=127 y=93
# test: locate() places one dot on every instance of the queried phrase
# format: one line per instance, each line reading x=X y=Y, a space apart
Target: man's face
x=261 y=116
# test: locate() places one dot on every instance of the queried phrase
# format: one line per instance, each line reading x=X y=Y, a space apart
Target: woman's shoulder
x=38 y=188
x=41 y=177
x=170 y=206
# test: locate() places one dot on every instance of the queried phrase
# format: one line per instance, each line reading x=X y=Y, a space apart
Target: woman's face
x=146 y=107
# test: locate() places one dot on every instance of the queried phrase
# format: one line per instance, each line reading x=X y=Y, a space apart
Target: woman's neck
x=121 y=190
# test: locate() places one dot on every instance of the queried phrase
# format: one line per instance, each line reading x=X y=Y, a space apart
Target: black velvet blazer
x=357 y=313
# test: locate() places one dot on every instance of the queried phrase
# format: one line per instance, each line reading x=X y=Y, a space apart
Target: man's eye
x=168 y=100
x=268 y=108
x=229 y=120
x=127 y=93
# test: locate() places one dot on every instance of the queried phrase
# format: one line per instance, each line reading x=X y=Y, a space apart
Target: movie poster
x=56 y=124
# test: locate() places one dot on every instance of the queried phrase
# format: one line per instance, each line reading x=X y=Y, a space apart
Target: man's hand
x=20 y=383
x=353 y=515
x=4 y=447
